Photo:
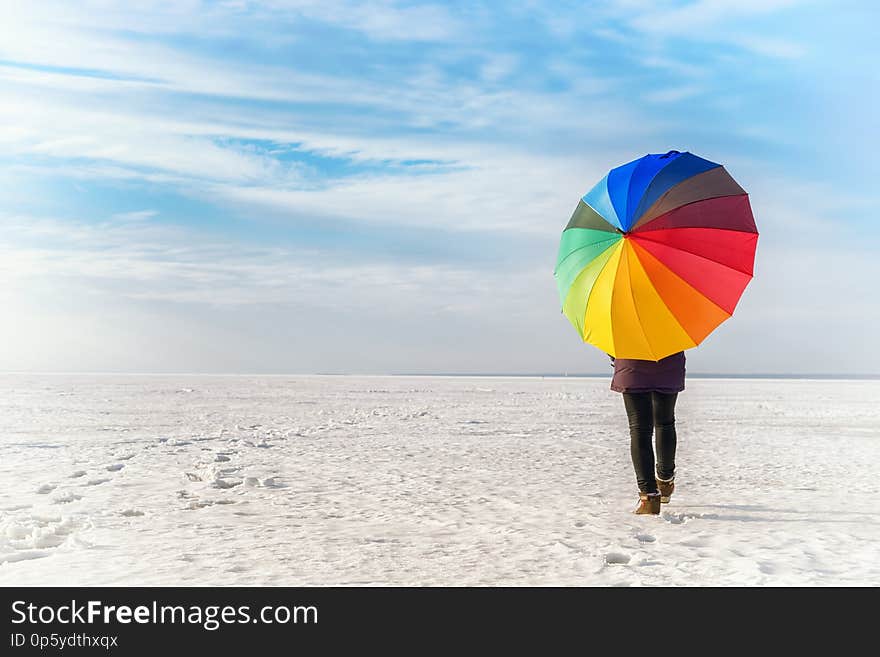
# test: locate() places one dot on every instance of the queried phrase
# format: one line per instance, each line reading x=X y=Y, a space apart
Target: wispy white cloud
x=513 y=195
x=682 y=69
x=479 y=183
x=381 y=20
x=676 y=18
x=385 y=20
x=772 y=47
x=498 y=66
x=673 y=94
x=139 y=260
x=720 y=21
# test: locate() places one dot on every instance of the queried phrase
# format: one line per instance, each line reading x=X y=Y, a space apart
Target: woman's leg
x=664 y=425
x=641 y=427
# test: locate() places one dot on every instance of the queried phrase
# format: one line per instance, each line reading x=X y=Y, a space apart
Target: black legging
x=647 y=410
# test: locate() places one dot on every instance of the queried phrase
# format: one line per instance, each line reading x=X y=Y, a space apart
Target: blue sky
x=297 y=186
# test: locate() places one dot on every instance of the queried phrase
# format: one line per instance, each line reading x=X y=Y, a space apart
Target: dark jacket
x=666 y=375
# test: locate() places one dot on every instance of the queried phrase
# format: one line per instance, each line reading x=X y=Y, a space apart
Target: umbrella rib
x=639 y=226
x=638 y=232
x=635 y=308
x=586 y=246
x=662 y=300
x=720 y=264
x=683 y=280
x=590 y=294
x=604 y=218
x=611 y=298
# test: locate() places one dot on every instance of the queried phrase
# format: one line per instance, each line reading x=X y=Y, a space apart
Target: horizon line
x=561 y=375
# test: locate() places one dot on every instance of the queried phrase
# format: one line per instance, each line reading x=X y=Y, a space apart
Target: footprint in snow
x=22 y=556
x=697 y=541
x=97 y=482
x=45 y=488
x=616 y=559
x=266 y=482
x=645 y=538
x=78 y=473
x=65 y=498
x=116 y=467
x=224 y=483
x=201 y=504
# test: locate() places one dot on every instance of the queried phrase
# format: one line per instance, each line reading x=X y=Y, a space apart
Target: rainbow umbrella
x=656 y=256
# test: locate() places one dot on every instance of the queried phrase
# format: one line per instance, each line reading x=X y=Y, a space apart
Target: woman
x=650 y=390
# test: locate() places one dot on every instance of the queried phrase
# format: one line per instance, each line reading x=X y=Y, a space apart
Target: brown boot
x=665 y=486
x=649 y=504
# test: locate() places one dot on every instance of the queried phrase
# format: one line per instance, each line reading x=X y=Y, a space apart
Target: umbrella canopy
x=656 y=256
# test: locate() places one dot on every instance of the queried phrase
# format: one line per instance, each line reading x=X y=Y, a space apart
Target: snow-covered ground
x=313 y=480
